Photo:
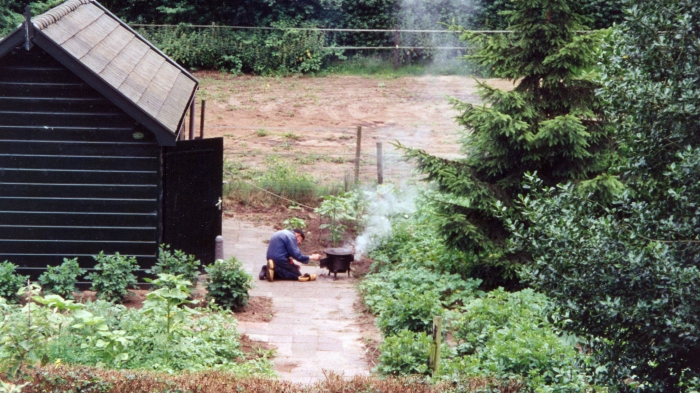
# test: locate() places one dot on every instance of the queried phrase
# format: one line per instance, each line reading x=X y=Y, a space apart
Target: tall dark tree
x=551 y=123
x=627 y=277
x=601 y=13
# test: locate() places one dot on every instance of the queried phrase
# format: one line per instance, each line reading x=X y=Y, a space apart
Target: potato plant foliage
x=228 y=284
x=163 y=335
x=10 y=281
x=61 y=279
x=504 y=336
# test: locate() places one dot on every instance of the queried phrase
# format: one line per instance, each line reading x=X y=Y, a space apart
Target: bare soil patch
x=371 y=338
x=253 y=350
x=312 y=121
x=259 y=309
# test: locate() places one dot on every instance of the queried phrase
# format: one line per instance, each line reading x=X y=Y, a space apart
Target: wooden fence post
x=201 y=120
x=192 y=115
x=434 y=351
x=357 y=154
x=380 y=164
x=396 y=47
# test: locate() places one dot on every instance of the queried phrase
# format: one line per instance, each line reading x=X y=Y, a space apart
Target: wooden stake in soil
x=201 y=120
x=396 y=48
x=380 y=164
x=357 y=154
x=192 y=107
x=434 y=351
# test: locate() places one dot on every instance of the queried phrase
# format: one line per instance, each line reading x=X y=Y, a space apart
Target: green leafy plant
x=176 y=263
x=60 y=280
x=10 y=281
x=294 y=223
x=338 y=211
x=228 y=284
x=291 y=135
x=404 y=353
x=409 y=311
x=165 y=303
x=113 y=276
x=24 y=331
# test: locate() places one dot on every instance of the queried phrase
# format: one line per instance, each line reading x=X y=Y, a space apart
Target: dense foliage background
x=265 y=52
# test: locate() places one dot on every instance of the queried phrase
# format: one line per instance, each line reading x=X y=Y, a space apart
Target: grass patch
x=279 y=179
x=292 y=136
x=378 y=66
x=262 y=132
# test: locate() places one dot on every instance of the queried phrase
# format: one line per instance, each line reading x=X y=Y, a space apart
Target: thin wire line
x=326 y=29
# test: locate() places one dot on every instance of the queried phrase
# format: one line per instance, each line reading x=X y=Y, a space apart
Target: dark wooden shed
x=90 y=158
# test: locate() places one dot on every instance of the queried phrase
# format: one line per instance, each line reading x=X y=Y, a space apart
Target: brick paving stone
x=313 y=326
x=305 y=350
x=304 y=339
x=273 y=338
x=330 y=346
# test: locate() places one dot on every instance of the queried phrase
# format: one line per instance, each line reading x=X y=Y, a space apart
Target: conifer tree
x=551 y=123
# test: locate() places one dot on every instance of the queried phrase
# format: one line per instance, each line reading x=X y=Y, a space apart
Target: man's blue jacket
x=283 y=244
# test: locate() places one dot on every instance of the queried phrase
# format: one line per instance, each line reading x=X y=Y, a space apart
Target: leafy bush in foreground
x=404 y=353
x=60 y=280
x=176 y=263
x=113 y=275
x=228 y=284
x=158 y=336
x=505 y=336
x=508 y=335
x=10 y=281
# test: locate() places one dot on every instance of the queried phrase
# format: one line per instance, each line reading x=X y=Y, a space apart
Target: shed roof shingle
x=124 y=60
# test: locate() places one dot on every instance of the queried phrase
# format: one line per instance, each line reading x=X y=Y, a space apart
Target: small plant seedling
x=262 y=132
x=291 y=135
x=294 y=223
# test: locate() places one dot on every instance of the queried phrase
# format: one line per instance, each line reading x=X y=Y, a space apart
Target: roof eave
x=13 y=40
x=164 y=136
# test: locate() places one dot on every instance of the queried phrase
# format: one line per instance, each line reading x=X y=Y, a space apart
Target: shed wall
x=77 y=174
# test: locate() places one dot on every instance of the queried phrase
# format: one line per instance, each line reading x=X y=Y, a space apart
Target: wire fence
x=333 y=38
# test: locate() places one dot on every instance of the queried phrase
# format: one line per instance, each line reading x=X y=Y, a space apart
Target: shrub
x=113 y=275
x=453 y=291
x=294 y=223
x=261 y=52
x=404 y=353
x=409 y=311
x=228 y=284
x=10 y=281
x=60 y=280
x=508 y=335
x=176 y=263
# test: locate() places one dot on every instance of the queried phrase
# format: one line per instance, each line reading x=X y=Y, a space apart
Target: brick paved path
x=314 y=325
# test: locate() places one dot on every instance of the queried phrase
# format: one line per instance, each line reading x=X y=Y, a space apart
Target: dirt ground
x=313 y=121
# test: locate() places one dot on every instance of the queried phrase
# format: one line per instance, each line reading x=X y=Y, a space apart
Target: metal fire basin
x=337 y=260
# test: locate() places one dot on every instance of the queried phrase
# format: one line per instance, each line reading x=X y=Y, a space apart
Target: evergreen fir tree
x=551 y=123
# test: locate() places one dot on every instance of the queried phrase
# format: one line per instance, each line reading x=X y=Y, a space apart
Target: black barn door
x=193 y=174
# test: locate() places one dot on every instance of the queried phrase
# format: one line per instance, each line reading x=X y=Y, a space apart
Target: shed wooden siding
x=74 y=178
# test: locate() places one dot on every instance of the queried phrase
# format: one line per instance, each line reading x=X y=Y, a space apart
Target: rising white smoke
x=384 y=203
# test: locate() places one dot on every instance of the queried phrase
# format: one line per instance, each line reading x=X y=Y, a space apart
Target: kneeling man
x=283 y=247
